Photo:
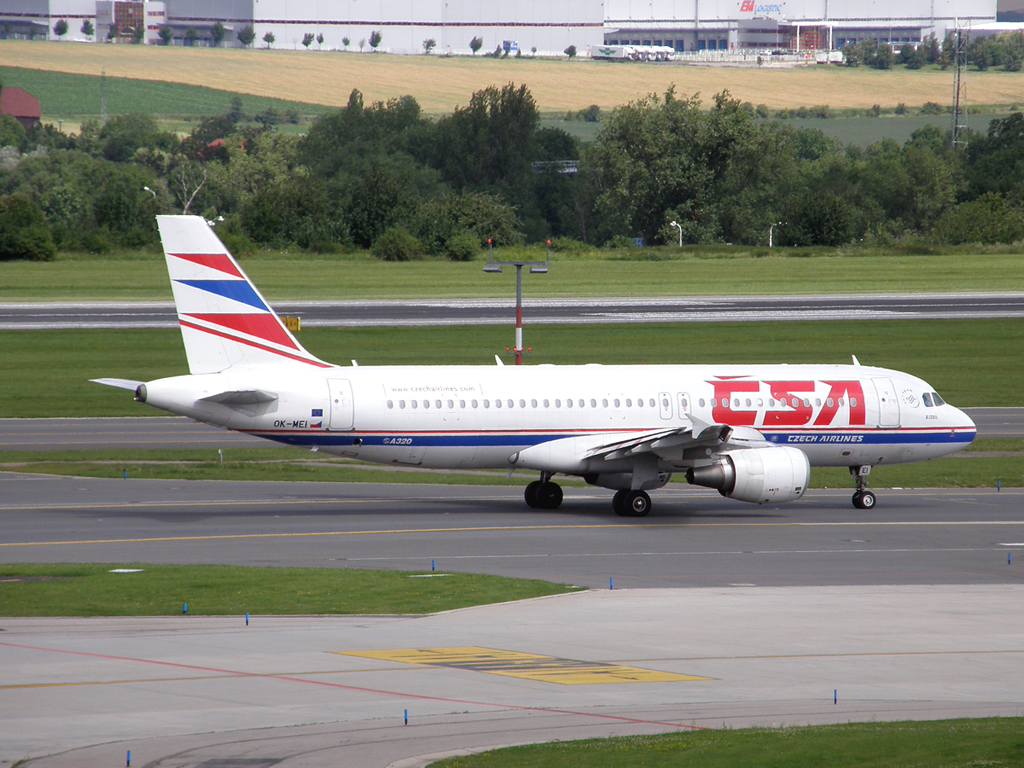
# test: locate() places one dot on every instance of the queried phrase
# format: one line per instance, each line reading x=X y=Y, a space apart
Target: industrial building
x=527 y=27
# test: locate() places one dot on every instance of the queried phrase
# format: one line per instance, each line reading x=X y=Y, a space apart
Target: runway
x=672 y=309
x=721 y=614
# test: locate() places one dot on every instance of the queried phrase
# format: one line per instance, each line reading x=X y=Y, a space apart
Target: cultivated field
x=439 y=84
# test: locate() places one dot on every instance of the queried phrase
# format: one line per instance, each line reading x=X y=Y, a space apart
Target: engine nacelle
x=756 y=475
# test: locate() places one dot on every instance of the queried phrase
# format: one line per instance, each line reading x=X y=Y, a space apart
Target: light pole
x=536 y=268
x=773 y=226
x=680 y=228
x=150 y=192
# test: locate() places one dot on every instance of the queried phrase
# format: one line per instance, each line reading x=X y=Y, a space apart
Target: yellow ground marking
x=439 y=83
x=529 y=666
x=472 y=529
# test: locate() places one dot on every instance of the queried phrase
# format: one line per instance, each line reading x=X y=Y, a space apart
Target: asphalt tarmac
x=671 y=309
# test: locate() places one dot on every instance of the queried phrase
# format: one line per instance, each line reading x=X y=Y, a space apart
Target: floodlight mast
x=536 y=268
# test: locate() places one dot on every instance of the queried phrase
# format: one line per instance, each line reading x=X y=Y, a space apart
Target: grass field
x=643 y=272
x=994 y=742
x=439 y=84
x=161 y=590
x=984 y=464
x=970 y=362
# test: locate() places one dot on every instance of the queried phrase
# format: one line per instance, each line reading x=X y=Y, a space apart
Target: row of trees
x=1005 y=50
x=385 y=177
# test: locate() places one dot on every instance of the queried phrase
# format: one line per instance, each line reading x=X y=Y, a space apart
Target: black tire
x=549 y=496
x=637 y=504
x=619 y=504
x=856 y=499
x=531 y=494
x=867 y=500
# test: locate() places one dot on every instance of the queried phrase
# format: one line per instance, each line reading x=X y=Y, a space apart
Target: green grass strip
x=970 y=362
x=63 y=95
x=993 y=742
x=215 y=590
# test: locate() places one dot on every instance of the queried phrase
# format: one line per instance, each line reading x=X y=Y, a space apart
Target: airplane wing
x=119 y=383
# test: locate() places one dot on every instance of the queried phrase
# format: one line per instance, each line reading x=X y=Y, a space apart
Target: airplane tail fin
x=225 y=322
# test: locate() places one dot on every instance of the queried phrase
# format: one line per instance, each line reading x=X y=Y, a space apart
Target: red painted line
x=355 y=688
x=229 y=337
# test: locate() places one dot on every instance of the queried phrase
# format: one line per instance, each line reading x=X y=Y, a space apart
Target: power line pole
x=960 y=39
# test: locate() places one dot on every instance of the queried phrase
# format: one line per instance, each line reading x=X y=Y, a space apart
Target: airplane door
x=665 y=399
x=341 y=404
x=684 y=404
x=888 y=403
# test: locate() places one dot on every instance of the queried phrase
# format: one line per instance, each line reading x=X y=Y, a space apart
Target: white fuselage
x=483 y=416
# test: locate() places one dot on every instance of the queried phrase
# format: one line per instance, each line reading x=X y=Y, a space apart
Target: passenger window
x=807 y=403
x=725 y=403
x=547 y=403
x=817 y=402
x=497 y=403
x=639 y=402
x=760 y=402
x=842 y=402
x=938 y=400
x=927 y=400
x=414 y=404
x=617 y=402
x=462 y=403
x=558 y=403
x=829 y=402
x=391 y=404
x=568 y=403
x=401 y=404
x=771 y=402
x=629 y=403
x=511 y=404
x=651 y=402
x=533 y=403
x=487 y=403
x=735 y=402
x=451 y=405
x=604 y=403
x=699 y=402
x=437 y=404
x=714 y=403
x=748 y=402
x=473 y=403
x=593 y=403
x=853 y=402
x=426 y=403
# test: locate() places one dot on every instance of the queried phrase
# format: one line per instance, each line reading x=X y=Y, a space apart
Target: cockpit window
x=938 y=400
x=927 y=398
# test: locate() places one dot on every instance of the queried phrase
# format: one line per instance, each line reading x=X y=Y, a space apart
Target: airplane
x=752 y=432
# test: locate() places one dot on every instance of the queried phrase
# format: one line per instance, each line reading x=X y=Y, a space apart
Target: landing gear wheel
x=637 y=504
x=619 y=503
x=531 y=494
x=549 y=496
x=864 y=500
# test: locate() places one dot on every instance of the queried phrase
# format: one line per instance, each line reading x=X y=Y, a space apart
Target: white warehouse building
x=549 y=26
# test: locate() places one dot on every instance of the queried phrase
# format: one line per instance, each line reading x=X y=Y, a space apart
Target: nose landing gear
x=543 y=494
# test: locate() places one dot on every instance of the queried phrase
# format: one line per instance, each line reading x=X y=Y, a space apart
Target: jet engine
x=756 y=475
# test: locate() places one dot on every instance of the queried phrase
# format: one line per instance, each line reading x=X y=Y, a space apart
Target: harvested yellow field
x=440 y=84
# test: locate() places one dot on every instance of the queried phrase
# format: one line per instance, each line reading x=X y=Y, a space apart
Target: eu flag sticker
x=317 y=412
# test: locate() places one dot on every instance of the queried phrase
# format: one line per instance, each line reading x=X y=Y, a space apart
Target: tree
x=428 y=45
x=246 y=35
x=570 y=51
x=320 y=40
x=269 y=39
x=307 y=40
x=362 y=44
x=138 y=34
x=476 y=44
x=87 y=28
x=165 y=34
x=191 y=35
x=112 y=32
x=345 y=41
x=60 y=28
x=217 y=32
x=375 y=38
x=24 y=233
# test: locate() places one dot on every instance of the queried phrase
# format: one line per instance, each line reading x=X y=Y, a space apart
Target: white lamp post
x=773 y=226
x=680 y=228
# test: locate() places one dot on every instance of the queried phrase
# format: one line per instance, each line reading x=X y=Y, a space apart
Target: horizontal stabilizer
x=119 y=383
x=247 y=401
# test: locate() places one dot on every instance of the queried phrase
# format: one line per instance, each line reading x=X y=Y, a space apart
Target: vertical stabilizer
x=225 y=322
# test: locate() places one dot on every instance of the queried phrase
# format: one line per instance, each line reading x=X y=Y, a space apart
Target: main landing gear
x=631 y=503
x=862 y=497
x=543 y=494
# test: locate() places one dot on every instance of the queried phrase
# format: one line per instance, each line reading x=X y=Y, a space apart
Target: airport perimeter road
x=673 y=309
x=178 y=432
x=693 y=538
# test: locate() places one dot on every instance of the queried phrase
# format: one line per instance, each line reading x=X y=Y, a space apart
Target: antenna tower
x=960 y=39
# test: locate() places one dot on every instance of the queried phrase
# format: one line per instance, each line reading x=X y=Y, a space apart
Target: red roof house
x=21 y=105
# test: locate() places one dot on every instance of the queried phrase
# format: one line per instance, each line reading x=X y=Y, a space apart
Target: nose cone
x=962 y=427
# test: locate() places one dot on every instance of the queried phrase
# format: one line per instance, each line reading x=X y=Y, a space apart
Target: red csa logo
x=747 y=6
x=795 y=403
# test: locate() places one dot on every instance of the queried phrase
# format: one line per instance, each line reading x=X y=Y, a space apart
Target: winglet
x=854 y=359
